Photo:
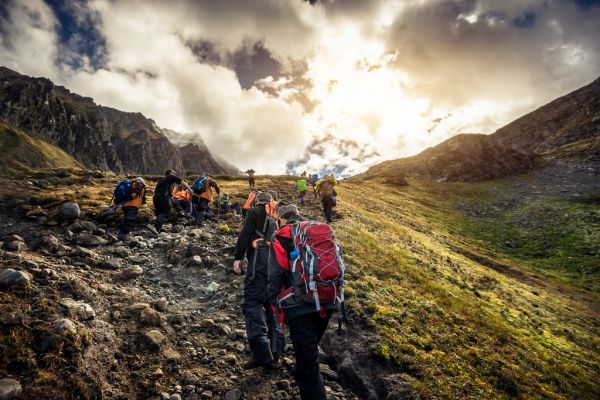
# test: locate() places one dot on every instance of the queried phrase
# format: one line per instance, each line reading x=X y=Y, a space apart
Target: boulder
x=10 y=389
x=150 y=317
x=9 y=278
x=15 y=245
x=64 y=326
x=69 y=211
x=132 y=272
x=89 y=240
x=153 y=340
x=78 y=309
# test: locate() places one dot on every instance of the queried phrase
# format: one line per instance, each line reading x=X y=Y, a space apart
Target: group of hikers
x=323 y=189
x=295 y=270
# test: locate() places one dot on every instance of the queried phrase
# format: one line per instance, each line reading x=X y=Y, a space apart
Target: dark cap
x=287 y=211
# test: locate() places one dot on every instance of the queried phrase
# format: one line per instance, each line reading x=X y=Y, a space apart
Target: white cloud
x=387 y=78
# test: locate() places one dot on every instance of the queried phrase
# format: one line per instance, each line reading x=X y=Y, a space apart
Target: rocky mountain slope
x=567 y=127
x=97 y=137
x=455 y=290
x=20 y=151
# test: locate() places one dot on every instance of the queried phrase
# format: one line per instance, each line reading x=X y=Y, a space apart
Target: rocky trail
x=85 y=316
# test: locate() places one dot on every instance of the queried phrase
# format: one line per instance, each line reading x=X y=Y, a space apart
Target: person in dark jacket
x=162 y=199
x=306 y=325
x=253 y=243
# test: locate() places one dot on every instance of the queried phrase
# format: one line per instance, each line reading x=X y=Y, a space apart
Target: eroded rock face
x=96 y=136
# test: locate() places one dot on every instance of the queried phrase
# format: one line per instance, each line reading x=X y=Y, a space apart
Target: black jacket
x=255 y=221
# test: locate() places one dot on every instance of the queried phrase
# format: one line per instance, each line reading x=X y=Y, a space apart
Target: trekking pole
x=342 y=317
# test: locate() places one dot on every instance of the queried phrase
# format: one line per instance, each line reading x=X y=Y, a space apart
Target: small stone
x=69 y=211
x=150 y=317
x=153 y=340
x=10 y=389
x=207 y=394
x=175 y=397
x=135 y=309
x=234 y=394
x=328 y=373
x=160 y=304
x=15 y=245
x=213 y=287
x=195 y=261
x=64 y=326
x=50 y=343
x=158 y=373
x=207 y=323
x=284 y=384
x=225 y=330
x=177 y=228
x=132 y=272
x=79 y=309
x=110 y=263
x=230 y=359
x=89 y=240
x=10 y=278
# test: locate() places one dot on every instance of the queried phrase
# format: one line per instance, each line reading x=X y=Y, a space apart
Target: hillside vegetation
x=20 y=151
x=477 y=290
x=456 y=290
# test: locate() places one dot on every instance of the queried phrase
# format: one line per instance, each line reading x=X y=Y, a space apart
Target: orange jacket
x=137 y=199
x=208 y=194
x=182 y=195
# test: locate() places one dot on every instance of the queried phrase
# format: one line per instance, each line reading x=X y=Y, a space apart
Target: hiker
x=202 y=197
x=131 y=195
x=314 y=178
x=181 y=199
x=249 y=202
x=253 y=243
x=306 y=312
x=162 y=199
x=274 y=206
x=301 y=187
x=326 y=189
x=251 y=180
x=227 y=206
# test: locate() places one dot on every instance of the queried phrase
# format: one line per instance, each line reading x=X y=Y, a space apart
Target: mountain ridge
x=568 y=126
x=97 y=136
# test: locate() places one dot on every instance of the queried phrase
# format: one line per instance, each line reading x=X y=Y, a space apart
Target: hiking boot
x=152 y=229
x=255 y=362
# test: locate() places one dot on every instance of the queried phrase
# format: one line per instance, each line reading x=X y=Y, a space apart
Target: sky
x=319 y=86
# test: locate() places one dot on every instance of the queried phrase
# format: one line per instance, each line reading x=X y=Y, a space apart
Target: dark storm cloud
x=458 y=50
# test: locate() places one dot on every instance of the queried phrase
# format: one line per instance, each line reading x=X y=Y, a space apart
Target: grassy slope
x=459 y=315
x=459 y=322
x=22 y=151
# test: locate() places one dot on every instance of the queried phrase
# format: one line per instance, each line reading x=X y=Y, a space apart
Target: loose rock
x=9 y=278
x=69 y=211
x=10 y=389
x=78 y=309
x=153 y=340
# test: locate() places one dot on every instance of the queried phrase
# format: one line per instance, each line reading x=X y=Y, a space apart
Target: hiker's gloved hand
x=237 y=266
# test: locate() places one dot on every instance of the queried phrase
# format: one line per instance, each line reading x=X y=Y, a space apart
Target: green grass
x=22 y=152
x=454 y=327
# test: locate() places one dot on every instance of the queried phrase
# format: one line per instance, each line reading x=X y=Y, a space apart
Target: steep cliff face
x=566 y=127
x=96 y=136
x=198 y=160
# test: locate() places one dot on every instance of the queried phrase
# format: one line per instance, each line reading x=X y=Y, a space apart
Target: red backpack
x=317 y=268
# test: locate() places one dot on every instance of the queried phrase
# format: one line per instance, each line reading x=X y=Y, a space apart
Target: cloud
x=321 y=85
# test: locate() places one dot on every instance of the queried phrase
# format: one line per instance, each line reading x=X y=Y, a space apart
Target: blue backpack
x=198 y=185
x=123 y=191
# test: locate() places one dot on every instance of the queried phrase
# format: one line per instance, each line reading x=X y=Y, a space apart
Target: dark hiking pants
x=162 y=210
x=327 y=207
x=200 y=205
x=129 y=218
x=306 y=332
x=256 y=308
